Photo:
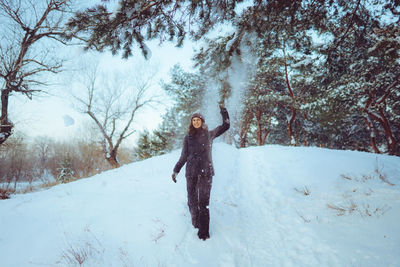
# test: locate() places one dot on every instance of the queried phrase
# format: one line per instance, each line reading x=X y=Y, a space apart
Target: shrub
x=5 y=193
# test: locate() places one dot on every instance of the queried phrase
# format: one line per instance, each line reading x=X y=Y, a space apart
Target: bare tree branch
x=113 y=103
x=28 y=22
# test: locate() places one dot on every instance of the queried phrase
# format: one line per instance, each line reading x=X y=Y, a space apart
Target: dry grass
x=368 y=211
x=377 y=174
x=78 y=254
x=364 y=210
x=346 y=177
x=88 y=250
x=302 y=216
x=48 y=185
x=343 y=209
x=362 y=178
x=158 y=236
x=5 y=193
x=28 y=189
x=160 y=230
x=383 y=177
x=125 y=258
x=305 y=191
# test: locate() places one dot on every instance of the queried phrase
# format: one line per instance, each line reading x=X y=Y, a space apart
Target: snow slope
x=270 y=206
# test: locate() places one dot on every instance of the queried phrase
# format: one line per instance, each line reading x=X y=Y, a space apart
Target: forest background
x=300 y=73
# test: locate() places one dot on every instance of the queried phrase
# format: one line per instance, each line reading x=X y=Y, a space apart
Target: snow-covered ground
x=270 y=206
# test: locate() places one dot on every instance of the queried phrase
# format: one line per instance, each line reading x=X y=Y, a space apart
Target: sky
x=53 y=113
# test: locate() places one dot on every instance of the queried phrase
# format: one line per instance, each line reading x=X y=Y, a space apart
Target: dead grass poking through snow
x=364 y=210
x=346 y=209
x=305 y=191
x=377 y=174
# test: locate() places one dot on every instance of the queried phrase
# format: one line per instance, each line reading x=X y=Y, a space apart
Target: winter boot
x=203 y=236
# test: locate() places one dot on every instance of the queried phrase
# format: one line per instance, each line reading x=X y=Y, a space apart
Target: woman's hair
x=191 y=129
x=194 y=131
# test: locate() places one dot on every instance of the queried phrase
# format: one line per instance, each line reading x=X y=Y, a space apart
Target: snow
x=303 y=62
x=147 y=51
x=13 y=83
x=270 y=206
x=229 y=44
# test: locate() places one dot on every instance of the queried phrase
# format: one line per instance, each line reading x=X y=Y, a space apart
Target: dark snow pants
x=199 y=188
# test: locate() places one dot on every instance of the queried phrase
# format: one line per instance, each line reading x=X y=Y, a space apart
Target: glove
x=174 y=177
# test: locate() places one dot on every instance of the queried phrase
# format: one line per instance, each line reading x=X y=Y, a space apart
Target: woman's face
x=196 y=122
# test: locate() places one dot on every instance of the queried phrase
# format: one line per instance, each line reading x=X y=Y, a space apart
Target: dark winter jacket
x=196 y=151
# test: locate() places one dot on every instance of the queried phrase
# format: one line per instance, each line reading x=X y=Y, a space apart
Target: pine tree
x=186 y=90
x=342 y=93
x=144 y=149
x=362 y=81
x=66 y=172
x=136 y=21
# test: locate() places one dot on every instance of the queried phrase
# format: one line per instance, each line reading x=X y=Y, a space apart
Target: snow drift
x=270 y=206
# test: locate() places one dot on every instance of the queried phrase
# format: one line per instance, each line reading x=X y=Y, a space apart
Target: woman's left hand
x=174 y=177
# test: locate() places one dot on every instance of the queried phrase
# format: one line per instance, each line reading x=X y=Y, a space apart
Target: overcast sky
x=53 y=115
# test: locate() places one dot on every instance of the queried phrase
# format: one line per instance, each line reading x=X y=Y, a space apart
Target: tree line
x=49 y=161
x=321 y=73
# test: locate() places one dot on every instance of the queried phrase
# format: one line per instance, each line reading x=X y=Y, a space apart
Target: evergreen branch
x=350 y=24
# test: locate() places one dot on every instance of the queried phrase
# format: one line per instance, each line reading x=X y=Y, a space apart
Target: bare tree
x=42 y=147
x=26 y=26
x=112 y=100
x=18 y=164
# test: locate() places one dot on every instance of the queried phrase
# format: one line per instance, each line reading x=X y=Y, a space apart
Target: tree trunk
x=244 y=129
x=265 y=136
x=389 y=133
x=290 y=127
x=291 y=94
x=5 y=125
x=112 y=159
x=243 y=135
x=113 y=162
x=261 y=134
x=259 y=129
x=383 y=121
x=372 y=135
x=381 y=117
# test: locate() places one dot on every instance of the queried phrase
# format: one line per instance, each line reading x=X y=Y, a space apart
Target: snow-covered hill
x=270 y=206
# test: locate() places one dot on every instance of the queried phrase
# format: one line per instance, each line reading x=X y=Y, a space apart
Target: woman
x=196 y=153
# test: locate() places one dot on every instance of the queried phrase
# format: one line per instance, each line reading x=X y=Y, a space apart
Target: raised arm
x=224 y=126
